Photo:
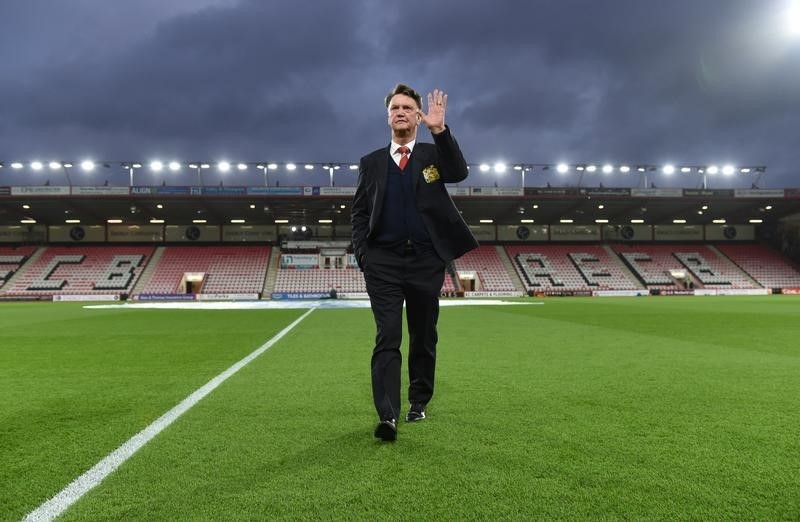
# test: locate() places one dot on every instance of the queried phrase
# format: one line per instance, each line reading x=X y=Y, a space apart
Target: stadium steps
x=148 y=271
x=20 y=273
x=509 y=266
x=623 y=267
x=272 y=272
x=733 y=266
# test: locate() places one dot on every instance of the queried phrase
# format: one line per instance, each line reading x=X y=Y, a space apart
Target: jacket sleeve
x=359 y=215
x=452 y=163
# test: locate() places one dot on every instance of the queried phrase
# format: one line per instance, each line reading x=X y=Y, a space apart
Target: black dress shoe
x=386 y=430
x=415 y=414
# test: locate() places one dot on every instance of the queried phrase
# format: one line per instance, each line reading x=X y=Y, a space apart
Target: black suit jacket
x=449 y=233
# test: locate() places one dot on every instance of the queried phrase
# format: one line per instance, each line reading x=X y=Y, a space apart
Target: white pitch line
x=54 y=507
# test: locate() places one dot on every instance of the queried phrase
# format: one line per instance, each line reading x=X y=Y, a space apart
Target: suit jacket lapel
x=382 y=173
x=415 y=163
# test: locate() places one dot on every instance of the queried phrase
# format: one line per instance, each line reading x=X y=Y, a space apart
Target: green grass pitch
x=582 y=408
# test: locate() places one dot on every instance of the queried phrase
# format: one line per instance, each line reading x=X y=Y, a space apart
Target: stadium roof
x=502 y=206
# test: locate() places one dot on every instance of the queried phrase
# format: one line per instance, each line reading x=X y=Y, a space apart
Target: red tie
x=404 y=158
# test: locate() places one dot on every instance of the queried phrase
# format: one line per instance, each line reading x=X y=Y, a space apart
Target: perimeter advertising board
x=136 y=233
x=192 y=233
x=77 y=233
x=23 y=234
x=248 y=233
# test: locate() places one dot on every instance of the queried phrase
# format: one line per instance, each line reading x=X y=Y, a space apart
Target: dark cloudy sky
x=622 y=81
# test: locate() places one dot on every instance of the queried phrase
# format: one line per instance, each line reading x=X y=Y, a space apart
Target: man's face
x=403 y=114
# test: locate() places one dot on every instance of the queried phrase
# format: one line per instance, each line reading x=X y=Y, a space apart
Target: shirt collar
x=393 y=148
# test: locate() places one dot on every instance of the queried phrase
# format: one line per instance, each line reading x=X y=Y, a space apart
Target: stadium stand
x=81 y=270
x=486 y=263
x=11 y=260
x=226 y=269
x=766 y=266
x=569 y=268
x=654 y=264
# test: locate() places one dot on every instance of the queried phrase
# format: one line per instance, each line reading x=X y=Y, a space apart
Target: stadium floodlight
x=156 y=166
x=699 y=212
x=28 y=221
x=601 y=221
x=72 y=221
x=55 y=165
x=36 y=165
x=768 y=207
x=303 y=228
x=353 y=167
x=562 y=168
x=156 y=221
x=294 y=228
x=601 y=206
x=679 y=221
x=641 y=168
x=591 y=168
x=608 y=169
x=252 y=206
x=719 y=221
x=517 y=167
x=272 y=166
x=580 y=168
x=242 y=166
x=756 y=221
x=499 y=167
x=87 y=165
x=205 y=166
x=484 y=167
x=26 y=207
x=17 y=165
x=704 y=207
x=291 y=166
x=686 y=170
x=728 y=170
x=113 y=221
x=325 y=221
x=486 y=221
x=137 y=165
x=237 y=221
x=174 y=166
x=224 y=166
x=281 y=221
x=194 y=166
x=668 y=169
x=565 y=221
x=68 y=165
x=535 y=206
x=624 y=169
x=199 y=221
x=745 y=170
x=309 y=166
x=343 y=206
x=712 y=169
x=526 y=221
x=637 y=221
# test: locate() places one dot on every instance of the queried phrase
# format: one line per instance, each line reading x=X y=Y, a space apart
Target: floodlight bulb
x=242 y=166
x=591 y=168
x=291 y=166
x=156 y=166
x=712 y=169
x=668 y=169
x=499 y=168
x=624 y=169
x=562 y=168
x=608 y=169
x=174 y=166
x=728 y=170
x=36 y=165
x=484 y=167
x=224 y=166
x=55 y=165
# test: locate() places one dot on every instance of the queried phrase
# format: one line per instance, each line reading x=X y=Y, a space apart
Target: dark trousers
x=392 y=277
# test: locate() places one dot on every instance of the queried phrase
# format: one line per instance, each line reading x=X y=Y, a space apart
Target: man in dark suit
x=405 y=230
